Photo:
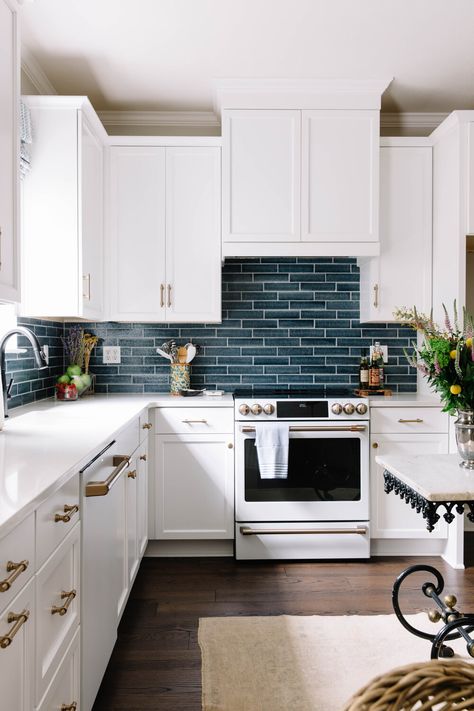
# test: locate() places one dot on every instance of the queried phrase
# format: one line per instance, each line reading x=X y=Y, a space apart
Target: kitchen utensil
x=191 y=351
x=174 y=353
x=182 y=354
x=164 y=354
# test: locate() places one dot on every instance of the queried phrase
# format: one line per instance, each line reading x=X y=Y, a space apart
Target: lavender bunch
x=73 y=344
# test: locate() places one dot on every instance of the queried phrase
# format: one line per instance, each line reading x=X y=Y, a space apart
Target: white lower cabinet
x=194 y=486
x=142 y=498
x=58 y=606
x=17 y=634
x=63 y=692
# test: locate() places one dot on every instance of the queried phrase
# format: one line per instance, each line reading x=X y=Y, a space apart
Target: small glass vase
x=464 y=430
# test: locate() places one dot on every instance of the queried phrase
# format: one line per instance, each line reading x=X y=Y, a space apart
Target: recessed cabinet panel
x=340 y=176
x=17 y=660
x=261 y=184
x=64 y=689
x=137 y=233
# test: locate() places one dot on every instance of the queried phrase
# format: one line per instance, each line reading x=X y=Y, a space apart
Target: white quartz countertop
x=406 y=400
x=42 y=444
x=437 y=477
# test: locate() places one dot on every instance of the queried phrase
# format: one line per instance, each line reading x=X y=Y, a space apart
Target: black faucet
x=38 y=353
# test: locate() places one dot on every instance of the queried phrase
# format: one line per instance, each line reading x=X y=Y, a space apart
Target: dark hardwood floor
x=156 y=661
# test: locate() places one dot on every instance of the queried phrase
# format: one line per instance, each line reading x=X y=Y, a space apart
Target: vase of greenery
x=445 y=357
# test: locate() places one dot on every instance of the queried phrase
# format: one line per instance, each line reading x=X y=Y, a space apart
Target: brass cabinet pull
x=132 y=474
x=143 y=457
x=68 y=597
x=193 y=422
x=375 y=445
x=19 y=620
x=69 y=707
x=86 y=287
x=162 y=295
x=102 y=488
x=376 y=296
x=69 y=512
x=15 y=569
x=169 y=294
x=247 y=531
x=417 y=420
x=147 y=426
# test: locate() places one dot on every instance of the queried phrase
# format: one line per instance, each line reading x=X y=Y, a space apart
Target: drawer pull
x=19 y=620
x=68 y=597
x=15 y=569
x=69 y=512
x=193 y=422
x=69 y=707
x=102 y=488
x=132 y=474
x=143 y=457
x=405 y=421
x=147 y=426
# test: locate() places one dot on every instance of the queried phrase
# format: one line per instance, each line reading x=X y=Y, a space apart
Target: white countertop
x=405 y=400
x=42 y=444
x=437 y=477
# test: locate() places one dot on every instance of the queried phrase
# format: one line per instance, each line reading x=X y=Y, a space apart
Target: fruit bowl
x=74 y=384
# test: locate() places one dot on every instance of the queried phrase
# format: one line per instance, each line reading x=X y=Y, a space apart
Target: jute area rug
x=293 y=663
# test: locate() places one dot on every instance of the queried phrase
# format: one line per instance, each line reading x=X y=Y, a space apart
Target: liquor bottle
x=379 y=352
x=374 y=372
x=363 y=372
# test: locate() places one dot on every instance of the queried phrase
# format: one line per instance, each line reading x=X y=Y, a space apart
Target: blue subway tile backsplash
x=286 y=322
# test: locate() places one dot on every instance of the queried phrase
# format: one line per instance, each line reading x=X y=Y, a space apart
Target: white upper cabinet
x=401 y=275
x=9 y=153
x=62 y=209
x=340 y=176
x=164 y=234
x=261 y=176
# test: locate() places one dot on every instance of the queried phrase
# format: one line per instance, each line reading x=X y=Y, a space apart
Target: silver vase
x=464 y=429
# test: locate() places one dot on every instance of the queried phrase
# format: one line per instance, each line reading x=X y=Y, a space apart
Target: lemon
x=455 y=389
x=469 y=342
x=453 y=354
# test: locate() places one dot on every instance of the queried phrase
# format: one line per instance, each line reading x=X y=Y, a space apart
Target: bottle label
x=364 y=377
x=374 y=378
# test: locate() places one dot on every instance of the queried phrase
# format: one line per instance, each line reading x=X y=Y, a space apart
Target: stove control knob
x=336 y=409
x=256 y=409
x=269 y=409
x=361 y=408
x=349 y=408
x=244 y=409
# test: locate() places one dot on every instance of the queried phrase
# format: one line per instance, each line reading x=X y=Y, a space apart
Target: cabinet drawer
x=16 y=548
x=57 y=604
x=194 y=420
x=55 y=518
x=64 y=688
x=145 y=425
x=408 y=419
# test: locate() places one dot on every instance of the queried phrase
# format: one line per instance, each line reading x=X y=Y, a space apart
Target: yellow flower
x=453 y=354
x=455 y=389
x=469 y=342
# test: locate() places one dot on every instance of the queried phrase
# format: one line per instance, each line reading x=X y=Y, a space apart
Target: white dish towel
x=272 y=441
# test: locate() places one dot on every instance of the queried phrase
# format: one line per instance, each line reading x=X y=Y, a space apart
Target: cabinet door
x=340 y=175
x=194 y=486
x=136 y=233
x=142 y=498
x=405 y=235
x=63 y=691
x=17 y=660
x=391 y=517
x=193 y=235
x=261 y=176
x=131 y=497
x=9 y=152
x=92 y=221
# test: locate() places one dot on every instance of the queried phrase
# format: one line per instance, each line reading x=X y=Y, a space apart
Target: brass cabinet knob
x=143 y=457
x=147 y=426
x=69 y=707
x=374 y=445
x=230 y=445
x=132 y=474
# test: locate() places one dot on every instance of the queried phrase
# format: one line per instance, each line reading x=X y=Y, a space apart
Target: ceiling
x=162 y=55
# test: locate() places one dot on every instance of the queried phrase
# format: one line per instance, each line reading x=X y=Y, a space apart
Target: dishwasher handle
x=102 y=488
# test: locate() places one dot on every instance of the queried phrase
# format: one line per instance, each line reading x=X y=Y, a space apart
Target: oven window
x=318 y=470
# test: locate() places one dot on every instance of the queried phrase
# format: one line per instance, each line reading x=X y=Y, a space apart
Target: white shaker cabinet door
x=193 y=244
x=194 y=486
x=340 y=174
x=136 y=233
x=9 y=155
x=17 y=660
x=390 y=516
x=261 y=176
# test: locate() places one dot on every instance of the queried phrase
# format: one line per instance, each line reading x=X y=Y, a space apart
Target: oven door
x=328 y=475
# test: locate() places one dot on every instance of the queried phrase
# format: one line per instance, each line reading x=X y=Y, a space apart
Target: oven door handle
x=246 y=531
x=317 y=428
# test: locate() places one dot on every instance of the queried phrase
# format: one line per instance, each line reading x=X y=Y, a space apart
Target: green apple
x=86 y=379
x=73 y=370
x=64 y=379
x=77 y=380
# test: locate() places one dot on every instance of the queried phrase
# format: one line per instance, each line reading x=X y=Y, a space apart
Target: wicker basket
x=438 y=685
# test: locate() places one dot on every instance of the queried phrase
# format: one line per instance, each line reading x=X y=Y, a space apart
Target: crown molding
x=412 y=120
x=186 y=119
x=34 y=72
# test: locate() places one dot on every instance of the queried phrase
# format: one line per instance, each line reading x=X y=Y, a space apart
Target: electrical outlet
x=45 y=350
x=111 y=355
x=384 y=350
